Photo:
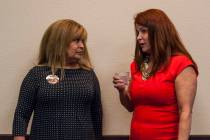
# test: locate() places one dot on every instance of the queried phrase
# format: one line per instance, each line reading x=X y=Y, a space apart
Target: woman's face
x=143 y=39
x=75 y=50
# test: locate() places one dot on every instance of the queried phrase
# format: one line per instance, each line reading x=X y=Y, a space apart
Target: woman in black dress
x=62 y=90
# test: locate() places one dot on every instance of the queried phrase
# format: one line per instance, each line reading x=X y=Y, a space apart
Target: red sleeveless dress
x=155 y=115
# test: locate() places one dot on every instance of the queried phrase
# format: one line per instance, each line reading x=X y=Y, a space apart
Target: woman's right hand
x=122 y=87
x=119 y=84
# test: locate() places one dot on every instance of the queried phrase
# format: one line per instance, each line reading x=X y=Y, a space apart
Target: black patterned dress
x=68 y=110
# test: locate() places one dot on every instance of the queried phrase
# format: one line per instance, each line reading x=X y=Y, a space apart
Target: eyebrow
x=141 y=28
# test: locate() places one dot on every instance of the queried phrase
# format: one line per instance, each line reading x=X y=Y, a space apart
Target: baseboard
x=116 y=137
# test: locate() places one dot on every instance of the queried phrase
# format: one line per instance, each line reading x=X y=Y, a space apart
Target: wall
x=111 y=44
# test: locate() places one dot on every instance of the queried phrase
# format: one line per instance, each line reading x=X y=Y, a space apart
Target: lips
x=141 y=44
x=80 y=53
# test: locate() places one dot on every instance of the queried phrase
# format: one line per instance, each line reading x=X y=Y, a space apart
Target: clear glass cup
x=125 y=76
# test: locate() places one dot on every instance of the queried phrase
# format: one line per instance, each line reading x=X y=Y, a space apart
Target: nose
x=81 y=44
x=139 y=36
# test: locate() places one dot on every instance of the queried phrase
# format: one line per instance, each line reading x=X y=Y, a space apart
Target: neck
x=146 y=59
x=72 y=66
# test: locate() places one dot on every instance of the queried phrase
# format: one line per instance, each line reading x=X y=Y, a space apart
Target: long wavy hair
x=163 y=38
x=55 y=41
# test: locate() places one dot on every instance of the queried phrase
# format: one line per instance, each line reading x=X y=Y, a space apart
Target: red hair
x=163 y=38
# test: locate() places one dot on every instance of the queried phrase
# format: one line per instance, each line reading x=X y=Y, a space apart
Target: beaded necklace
x=144 y=69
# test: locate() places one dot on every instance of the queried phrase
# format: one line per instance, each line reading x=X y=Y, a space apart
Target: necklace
x=144 y=69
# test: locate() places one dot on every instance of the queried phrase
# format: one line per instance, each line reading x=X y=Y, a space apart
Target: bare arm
x=123 y=93
x=19 y=138
x=186 y=86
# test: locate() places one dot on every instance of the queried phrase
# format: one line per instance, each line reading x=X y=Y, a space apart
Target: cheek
x=71 y=50
x=146 y=38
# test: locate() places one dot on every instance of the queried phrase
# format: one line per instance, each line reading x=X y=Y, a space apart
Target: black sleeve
x=96 y=109
x=25 y=105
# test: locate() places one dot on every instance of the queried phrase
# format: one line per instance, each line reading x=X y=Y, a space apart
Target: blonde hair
x=55 y=41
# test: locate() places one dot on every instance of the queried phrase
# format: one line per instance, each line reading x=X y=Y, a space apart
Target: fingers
x=116 y=77
x=118 y=83
x=116 y=80
x=119 y=86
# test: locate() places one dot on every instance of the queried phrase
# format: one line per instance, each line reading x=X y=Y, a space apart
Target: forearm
x=20 y=124
x=184 y=126
x=97 y=123
x=19 y=137
x=125 y=100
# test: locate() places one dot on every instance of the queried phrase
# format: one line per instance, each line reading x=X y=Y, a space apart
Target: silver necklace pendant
x=52 y=79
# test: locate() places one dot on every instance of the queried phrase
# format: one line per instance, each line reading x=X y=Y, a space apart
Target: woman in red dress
x=163 y=81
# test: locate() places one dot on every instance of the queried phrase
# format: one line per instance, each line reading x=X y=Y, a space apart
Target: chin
x=145 y=50
x=74 y=59
x=78 y=58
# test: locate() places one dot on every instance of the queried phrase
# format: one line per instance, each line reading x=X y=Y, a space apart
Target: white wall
x=111 y=46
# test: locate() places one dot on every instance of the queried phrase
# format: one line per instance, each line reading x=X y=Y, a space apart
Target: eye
x=143 y=30
x=82 y=40
x=77 y=40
